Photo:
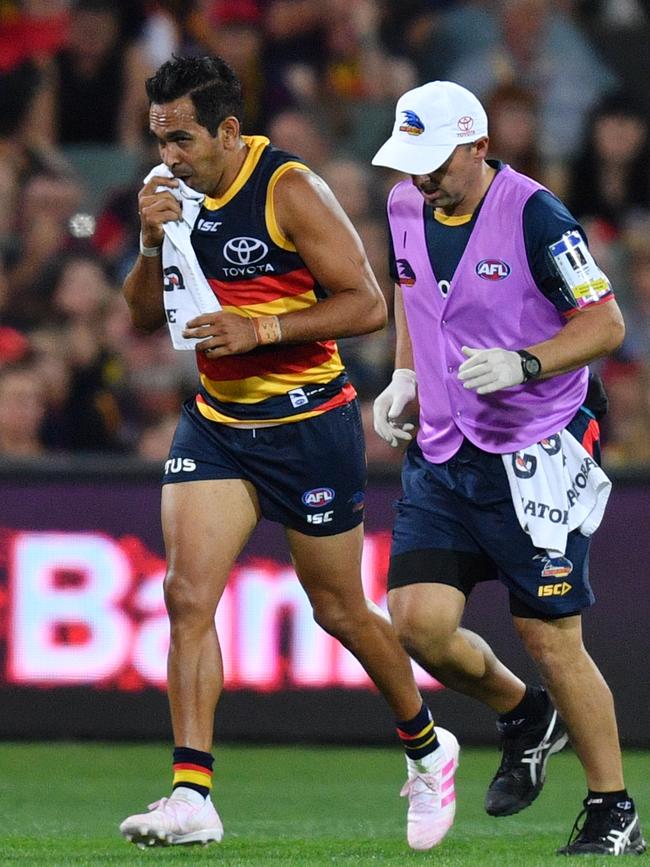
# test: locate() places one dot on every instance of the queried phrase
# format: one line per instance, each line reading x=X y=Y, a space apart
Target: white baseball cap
x=430 y=121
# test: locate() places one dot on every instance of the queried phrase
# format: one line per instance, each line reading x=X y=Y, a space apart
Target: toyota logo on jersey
x=245 y=251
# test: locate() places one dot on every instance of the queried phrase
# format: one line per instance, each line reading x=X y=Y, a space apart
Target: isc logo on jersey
x=318 y=497
x=492 y=269
x=208 y=226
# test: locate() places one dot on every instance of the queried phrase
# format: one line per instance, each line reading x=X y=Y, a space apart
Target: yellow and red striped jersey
x=254 y=270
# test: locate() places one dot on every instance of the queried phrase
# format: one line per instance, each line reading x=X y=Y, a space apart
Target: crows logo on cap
x=412 y=123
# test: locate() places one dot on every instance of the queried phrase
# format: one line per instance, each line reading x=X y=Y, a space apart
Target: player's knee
x=335 y=618
x=330 y=617
x=552 y=649
x=184 y=602
x=415 y=634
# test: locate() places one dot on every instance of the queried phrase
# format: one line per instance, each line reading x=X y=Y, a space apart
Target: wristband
x=267 y=329
x=149 y=252
x=405 y=373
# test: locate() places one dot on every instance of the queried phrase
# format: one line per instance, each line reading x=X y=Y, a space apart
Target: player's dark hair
x=209 y=82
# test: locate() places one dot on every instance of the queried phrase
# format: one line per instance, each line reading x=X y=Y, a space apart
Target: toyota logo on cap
x=465 y=123
x=245 y=251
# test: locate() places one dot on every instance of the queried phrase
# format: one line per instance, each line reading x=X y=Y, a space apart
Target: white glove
x=488 y=370
x=391 y=404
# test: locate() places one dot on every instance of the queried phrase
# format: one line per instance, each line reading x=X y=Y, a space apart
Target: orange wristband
x=267 y=329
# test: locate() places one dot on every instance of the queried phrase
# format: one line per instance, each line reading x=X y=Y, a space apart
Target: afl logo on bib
x=318 y=497
x=492 y=269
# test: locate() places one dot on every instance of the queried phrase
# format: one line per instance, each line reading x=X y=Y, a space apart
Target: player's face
x=188 y=149
x=451 y=187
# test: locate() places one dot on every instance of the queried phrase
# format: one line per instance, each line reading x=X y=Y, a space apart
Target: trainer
x=499 y=308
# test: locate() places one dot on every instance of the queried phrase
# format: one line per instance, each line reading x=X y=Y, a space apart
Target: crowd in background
x=564 y=84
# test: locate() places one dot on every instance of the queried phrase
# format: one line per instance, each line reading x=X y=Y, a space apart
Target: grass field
x=60 y=804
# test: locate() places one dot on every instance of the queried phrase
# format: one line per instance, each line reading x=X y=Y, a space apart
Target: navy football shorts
x=456 y=525
x=309 y=475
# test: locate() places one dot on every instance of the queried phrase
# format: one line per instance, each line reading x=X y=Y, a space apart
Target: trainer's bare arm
x=143 y=286
x=403 y=345
x=310 y=218
x=590 y=333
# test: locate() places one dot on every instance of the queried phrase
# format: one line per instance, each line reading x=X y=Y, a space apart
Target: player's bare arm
x=143 y=286
x=590 y=333
x=311 y=217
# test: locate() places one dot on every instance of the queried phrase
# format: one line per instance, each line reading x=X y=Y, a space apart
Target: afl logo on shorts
x=318 y=497
x=492 y=269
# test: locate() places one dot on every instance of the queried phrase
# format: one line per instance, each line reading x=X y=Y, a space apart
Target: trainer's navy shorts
x=309 y=475
x=456 y=525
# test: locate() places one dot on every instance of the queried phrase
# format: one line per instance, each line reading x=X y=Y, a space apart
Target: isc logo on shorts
x=321 y=517
x=559 y=589
x=180 y=465
x=318 y=497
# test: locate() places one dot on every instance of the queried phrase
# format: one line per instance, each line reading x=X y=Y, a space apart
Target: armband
x=267 y=329
x=582 y=280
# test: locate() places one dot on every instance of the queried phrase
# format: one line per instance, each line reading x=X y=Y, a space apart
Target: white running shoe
x=431 y=794
x=173 y=821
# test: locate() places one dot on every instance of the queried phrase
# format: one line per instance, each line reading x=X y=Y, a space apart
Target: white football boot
x=431 y=794
x=185 y=817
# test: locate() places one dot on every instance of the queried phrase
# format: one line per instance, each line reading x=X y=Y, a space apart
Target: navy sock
x=193 y=770
x=418 y=735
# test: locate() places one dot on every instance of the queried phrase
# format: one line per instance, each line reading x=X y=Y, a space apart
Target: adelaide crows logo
x=406 y=273
x=411 y=123
x=555 y=567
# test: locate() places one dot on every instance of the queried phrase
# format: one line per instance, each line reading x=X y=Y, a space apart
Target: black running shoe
x=606 y=831
x=525 y=751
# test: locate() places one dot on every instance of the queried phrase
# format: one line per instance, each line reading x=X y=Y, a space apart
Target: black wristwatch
x=530 y=364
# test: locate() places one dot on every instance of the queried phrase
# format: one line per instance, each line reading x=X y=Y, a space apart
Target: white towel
x=186 y=291
x=556 y=487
